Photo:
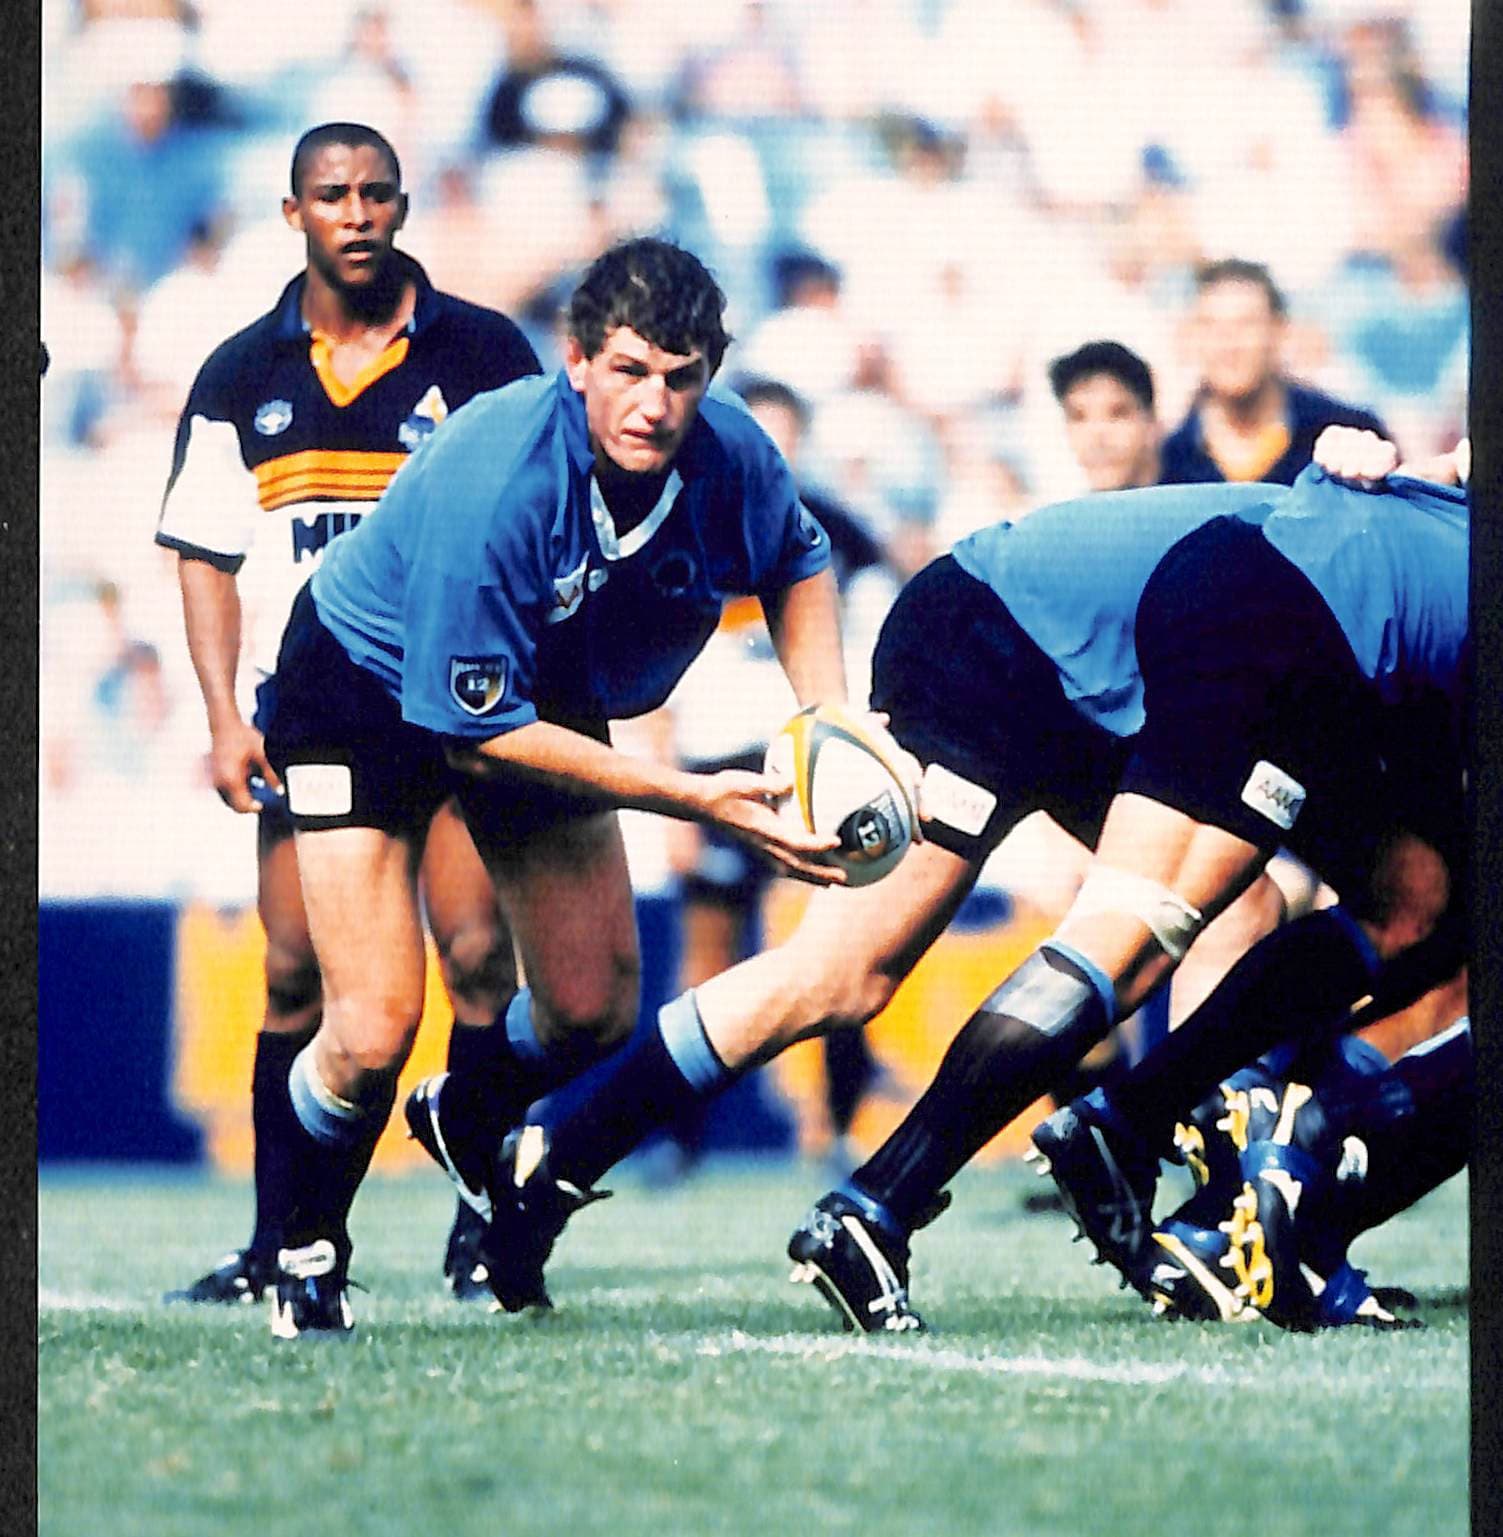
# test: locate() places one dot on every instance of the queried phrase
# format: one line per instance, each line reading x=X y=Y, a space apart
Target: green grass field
x=682 y=1387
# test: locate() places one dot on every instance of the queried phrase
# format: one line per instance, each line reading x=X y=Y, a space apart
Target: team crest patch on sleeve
x=477 y=683
x=1273 y=794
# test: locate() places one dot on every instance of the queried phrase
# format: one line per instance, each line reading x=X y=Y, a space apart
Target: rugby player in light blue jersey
x=553 y=557
x=1303 y=684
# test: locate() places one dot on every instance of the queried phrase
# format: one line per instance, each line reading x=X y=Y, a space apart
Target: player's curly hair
x=661 y=291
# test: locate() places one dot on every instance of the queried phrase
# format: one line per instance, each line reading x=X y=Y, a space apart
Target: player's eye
x=331 y=193
x=684 y=378
x=380 y=192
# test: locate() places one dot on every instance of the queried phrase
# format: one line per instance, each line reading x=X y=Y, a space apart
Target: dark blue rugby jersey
x=275 y=456
x=491 y=588
x=1185 y=460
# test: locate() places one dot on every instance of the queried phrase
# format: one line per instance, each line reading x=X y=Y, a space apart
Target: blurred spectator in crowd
x=808 y=340
x=1404 y=329
x=1405 y=163
x=1249 y=421
x=137 y=182
x=544 y=95
x=1105 y=391
x=751 y=72
x=373 y=83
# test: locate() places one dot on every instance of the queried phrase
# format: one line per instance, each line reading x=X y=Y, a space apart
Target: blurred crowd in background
x=913 y=206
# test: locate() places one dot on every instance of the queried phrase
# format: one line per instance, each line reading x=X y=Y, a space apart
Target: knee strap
x=1168 y=917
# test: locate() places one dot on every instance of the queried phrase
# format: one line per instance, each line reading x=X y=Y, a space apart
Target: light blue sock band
x=684 y=1035
x=1096 y=976
x=520 y=1030
x=326 y=1117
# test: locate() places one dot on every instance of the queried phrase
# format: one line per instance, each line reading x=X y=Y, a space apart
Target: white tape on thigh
x=1170 y=919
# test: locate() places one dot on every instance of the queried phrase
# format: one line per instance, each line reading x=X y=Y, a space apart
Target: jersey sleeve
x=469 y=612
x=786 y=540
x=209 y=508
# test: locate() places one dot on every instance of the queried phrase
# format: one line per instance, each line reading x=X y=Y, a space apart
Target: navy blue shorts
x=1260 y=722
x=348 y=759
x=967 y=689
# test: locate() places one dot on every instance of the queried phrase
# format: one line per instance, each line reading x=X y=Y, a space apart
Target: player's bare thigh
x=567 y=894
x=360 y=891
x=464 y=915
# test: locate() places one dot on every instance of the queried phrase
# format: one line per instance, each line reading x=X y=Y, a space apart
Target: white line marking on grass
x=50 y=1300
x=946 y=1359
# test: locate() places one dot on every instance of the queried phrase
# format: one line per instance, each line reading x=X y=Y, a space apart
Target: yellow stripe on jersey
x=320 y=354
x=344 y=474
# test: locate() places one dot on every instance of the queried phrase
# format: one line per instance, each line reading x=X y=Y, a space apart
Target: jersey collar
x=613 y=546
x=291 y=327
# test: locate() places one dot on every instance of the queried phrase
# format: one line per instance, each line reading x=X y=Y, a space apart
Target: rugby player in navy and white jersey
x=1304 y=684
x=554 y=558
x=292 y=430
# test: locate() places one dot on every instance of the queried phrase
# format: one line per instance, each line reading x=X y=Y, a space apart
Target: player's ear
x=292 y=212
x=576 y=364
x=401 y=217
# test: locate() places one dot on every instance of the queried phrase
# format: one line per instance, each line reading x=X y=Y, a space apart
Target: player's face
x=1239 y=336
x=640 y=401
x=350 y=210
x=1111 y=433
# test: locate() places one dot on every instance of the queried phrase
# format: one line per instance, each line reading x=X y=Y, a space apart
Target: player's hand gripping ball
x=845 y=782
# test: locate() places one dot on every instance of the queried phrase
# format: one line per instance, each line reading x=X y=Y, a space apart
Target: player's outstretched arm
x=740 y=802
x=211 y=615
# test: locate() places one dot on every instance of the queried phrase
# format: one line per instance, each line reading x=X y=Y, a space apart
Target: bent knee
x=587 y=1011
x=293 y=982
x=478 y=967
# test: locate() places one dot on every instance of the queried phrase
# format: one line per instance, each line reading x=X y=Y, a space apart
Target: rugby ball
x=843 y=783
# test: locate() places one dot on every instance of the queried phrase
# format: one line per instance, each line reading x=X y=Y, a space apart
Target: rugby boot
x=240 y=1277
x=1285 y=1264
x=1193 y=1276
x=469 y=1163
x=856 y=1265
x=312 y=1292
x=464 y=1270
x=530 y=1208
x=1107 y=1182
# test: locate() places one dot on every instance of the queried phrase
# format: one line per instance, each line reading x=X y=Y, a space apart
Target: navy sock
x=472 y=1047
x=1416 y=1139
x=849 y=1069
x=330 y=1145
x=271 y=1121
x=655 y=1079
x=1014 y=1048
x=1302 y=978
x=496 y=1072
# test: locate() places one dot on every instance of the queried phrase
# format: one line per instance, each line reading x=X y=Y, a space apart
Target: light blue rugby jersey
x=1391 y=564
x=489 y=587
x=1071 y=575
